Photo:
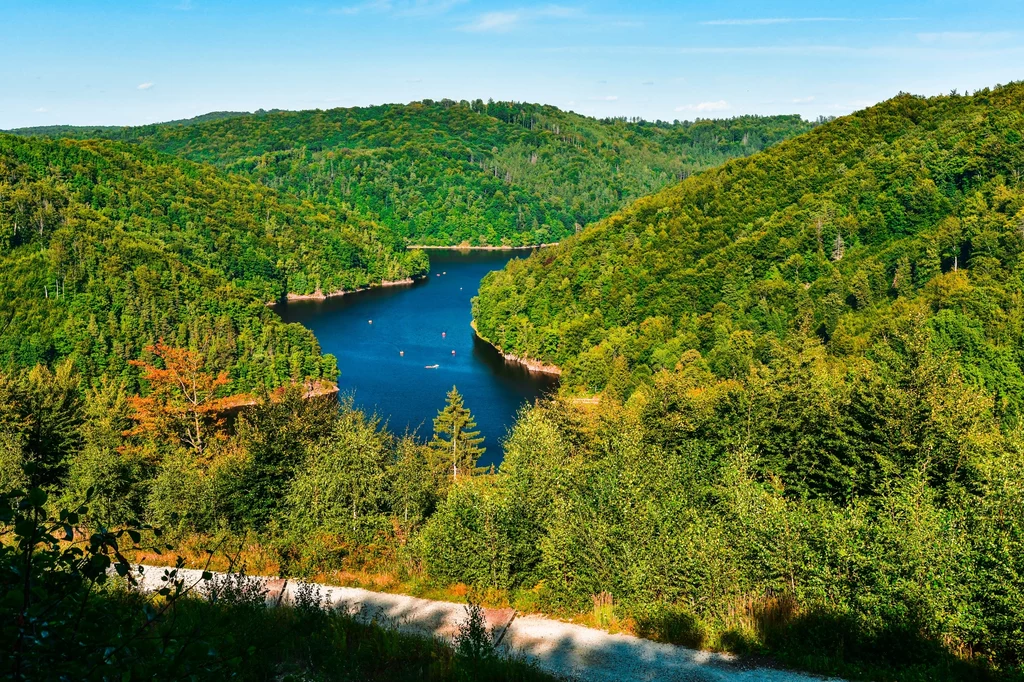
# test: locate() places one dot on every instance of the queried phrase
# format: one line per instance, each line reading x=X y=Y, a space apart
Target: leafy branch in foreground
x=54 y=576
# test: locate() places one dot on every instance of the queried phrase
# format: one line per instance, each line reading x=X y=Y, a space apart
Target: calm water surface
x=426 y=320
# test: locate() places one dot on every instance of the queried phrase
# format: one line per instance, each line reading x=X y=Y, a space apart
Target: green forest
x=789 y=424
x=819 y=350
x=447 y=173
x=107 y=248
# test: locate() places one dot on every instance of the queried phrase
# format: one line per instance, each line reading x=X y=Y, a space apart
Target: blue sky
x=145 y=61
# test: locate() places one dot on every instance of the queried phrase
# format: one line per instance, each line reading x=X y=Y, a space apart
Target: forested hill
x=103 y=132
x=106 y=248
x=449 y=172
x=910 y=210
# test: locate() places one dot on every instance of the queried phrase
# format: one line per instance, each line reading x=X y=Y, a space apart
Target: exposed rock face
x=531 y=365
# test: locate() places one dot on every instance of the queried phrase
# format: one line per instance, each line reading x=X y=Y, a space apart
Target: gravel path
x=566 y=650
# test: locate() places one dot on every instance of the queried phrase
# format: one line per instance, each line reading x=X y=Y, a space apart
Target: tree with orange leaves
x=182 y=404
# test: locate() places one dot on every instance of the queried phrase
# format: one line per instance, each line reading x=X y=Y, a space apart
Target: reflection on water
x=383 y=363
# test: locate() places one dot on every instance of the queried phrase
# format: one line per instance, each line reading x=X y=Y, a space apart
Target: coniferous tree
x=455 y=441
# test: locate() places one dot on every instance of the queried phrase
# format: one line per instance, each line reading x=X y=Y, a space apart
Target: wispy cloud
x=40 y=110
x=371 y=6
x=803 y=100
x=719 y=105
x=919 y=52
x=419 y=8
x=604 y=98
x=960 y=38
x=144 y=86
x=504 y=21
x=498 y=22
x=403 y=8
x=764 y=21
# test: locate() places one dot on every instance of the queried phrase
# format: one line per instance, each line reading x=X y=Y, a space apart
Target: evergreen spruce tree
x=455 y=442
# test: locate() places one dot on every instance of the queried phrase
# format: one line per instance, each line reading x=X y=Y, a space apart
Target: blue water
x=427 y=320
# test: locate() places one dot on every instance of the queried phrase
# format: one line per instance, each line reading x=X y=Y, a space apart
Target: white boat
x=431 y=366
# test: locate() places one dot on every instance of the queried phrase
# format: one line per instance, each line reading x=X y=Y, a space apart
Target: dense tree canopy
x=108 y=248
x=449 y=172
x=790 y=417
x=909 y=209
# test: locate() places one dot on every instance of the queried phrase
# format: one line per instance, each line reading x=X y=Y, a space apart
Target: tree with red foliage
x=182 y=403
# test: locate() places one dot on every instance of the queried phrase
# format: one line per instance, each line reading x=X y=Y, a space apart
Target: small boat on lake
x=431 y=366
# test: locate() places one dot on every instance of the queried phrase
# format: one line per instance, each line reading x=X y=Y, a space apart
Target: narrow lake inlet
x=400 y=349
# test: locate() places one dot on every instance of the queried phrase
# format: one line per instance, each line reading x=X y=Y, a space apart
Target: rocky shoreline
x=527 y=363
x=530 y=365
x=319 y=295
x=466 y=247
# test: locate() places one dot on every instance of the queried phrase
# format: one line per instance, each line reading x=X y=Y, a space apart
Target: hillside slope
x=808 y=367
x=106 y=248
x=446 y=173
x=914 y=203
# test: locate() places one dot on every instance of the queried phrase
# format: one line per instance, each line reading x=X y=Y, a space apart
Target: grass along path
x=562 y=649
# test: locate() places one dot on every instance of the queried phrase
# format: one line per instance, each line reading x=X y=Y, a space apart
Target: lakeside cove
x=386 y=338
x=531 y=365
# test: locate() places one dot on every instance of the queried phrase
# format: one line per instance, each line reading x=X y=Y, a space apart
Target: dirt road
x=566 y=650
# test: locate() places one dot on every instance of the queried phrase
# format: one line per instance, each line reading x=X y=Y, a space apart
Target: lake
x=383 y=364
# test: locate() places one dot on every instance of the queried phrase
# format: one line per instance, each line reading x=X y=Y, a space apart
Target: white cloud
x=371 y=6
x=400 y=8
x=606 y=98
x=769 y=20
x=924 y=53
x=419 y=8
x=497 y=22
x=144 y=86
x=558 y=11
x=502 y=22
x=803 y=100
x=40 y=110
x=705 y=106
